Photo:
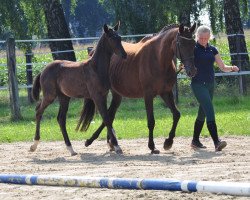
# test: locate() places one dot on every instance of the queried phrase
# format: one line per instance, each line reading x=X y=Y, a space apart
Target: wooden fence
x=13 y=83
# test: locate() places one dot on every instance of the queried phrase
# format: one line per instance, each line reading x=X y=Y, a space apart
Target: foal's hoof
x=168 y=144
x=32 y=148
x=87 y=143
x=155 y=151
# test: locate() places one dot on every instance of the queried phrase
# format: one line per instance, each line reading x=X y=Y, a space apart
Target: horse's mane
x=166 y=28
x=146 y=38
x=163 y=30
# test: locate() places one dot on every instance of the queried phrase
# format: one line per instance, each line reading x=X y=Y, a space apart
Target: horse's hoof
x=168 y=144
x=155 y=151
x=118 y=150
x=71 y=150
x=73 y=154
x=110 y=147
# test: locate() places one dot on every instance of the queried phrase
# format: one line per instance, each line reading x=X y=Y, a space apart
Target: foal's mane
x=100 y=61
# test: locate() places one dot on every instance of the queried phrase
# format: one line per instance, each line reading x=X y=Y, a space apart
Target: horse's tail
x=87 y=115
x=36 y=88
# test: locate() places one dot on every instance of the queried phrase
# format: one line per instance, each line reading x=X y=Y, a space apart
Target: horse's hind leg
x=151 y=124
x=168 y=98
x=39 y=112
x=61 y=118
x=115 y=103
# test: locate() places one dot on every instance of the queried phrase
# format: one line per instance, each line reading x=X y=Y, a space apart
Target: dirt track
x=181 y=162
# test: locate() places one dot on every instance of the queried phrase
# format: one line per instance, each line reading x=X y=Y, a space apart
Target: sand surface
x=181 y=162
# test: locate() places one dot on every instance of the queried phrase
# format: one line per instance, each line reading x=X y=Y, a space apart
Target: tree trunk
x=236 y=38
x=57 y=28
x=66 y=7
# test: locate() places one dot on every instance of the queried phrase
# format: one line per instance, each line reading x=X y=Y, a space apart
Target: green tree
x=22 y=19
x=13 y=21
x=143 y=16
x=147 y=16
x=88 y=17
x=27 y=18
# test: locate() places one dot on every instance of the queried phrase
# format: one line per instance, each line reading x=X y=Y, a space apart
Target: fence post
x=238 y=50
x=89 y=49
x=12 y=82
x=29 y=82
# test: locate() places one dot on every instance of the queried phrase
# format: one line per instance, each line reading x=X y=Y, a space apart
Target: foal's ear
x=181 y=28
x=192 y=28
x=116 y=27
x=106 y=28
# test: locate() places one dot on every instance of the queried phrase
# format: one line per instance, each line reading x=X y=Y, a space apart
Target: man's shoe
x=196 y=144
x=220 y=145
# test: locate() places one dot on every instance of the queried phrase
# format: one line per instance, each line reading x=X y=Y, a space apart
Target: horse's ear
x=193 y=27
x=181 y=28
x=106 y=28
x=116 y=27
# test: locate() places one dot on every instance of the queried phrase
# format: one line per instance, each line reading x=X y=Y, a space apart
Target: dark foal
x=149 y=71
x=66 y=79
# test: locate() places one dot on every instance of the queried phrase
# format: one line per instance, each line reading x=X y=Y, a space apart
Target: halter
x=178 y=52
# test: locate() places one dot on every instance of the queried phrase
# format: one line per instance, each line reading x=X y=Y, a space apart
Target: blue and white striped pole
x=231 y=188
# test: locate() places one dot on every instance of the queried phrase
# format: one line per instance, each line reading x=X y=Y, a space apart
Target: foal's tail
x=36 y=88
x=87 y=115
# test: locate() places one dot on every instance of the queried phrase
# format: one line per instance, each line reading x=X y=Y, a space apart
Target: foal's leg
x=39 y=112
x=61 y=118
x=151 y=123
x=101 y=103
x=115 y=103
x=168 y=98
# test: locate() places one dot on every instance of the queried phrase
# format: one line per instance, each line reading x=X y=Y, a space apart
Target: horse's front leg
x=115 y=103
x=61 y=118
x=101 y=103
x=148 y=99
x=168 y=98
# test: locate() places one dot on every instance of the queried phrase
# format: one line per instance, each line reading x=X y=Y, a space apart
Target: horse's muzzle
x=191 y=71
x=124 y=55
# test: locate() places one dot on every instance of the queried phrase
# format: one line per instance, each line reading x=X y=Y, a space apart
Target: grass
x=232 y=116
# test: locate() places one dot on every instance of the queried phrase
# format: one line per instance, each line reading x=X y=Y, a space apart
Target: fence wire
x=93 y=39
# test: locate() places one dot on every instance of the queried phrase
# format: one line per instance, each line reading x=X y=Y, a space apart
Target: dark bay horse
x=66 y=79
x=149 y=71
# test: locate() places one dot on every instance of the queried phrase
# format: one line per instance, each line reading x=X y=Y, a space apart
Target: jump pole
x=230 y=188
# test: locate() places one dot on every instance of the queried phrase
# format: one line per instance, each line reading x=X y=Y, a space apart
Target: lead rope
x=181 y=66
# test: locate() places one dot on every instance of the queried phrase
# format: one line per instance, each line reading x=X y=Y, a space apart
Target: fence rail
x=180 y=76
x=12 y=71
